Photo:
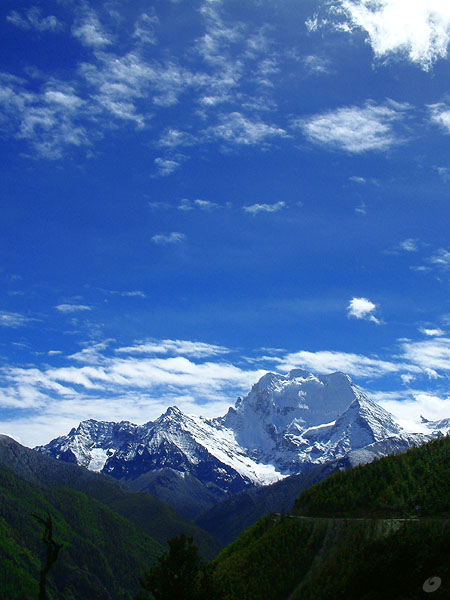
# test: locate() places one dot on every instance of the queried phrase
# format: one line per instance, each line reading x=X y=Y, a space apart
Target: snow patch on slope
x=99 y=456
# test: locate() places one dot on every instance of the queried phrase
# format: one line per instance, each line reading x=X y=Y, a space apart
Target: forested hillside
x=102 y=556
x=110 y=534
x=149 y=514
x=414 y=483
x=375 y=531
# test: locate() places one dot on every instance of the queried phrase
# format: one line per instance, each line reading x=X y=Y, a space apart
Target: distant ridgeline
x=378 y=531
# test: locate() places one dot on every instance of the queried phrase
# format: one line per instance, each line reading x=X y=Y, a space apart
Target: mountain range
x=266 y=456
x=284 y=426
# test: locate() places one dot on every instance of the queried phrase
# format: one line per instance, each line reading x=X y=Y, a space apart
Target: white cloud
x=173 y=138
x=123 y=84
x=182 y=347
x=119 y=84
x=432 y=332
x=354 y=129
x=126 y=294
x=328 y=361
x=168 y=238
x=409 y=407
x=316 y=65
x=235 y=128
x=440 y=115
x=91 y=354
x=357 y=179
x=90 y=32
x=145 y=29
x=57 y=418
x=410 y=245
x=362 y=308
x=34 y=20
x=139 y=381
x=441 y=258
x=136 y=385
x=166 y=166
x=214 y=44
x=254 y=209
x=407 y=378
x=48 y=119
x=444 y=173
x=205 y=205
x=361 y=208
x=430 y=355
x=313 y=24
x=134 y=294
x=157 y=205
x=185 y=205
x=72 y=308
x=13 y=319
x=417 y=29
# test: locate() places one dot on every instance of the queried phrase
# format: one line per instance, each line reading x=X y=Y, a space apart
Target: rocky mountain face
x=285 y=424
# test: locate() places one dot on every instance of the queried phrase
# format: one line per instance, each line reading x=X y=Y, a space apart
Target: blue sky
x=194 y=193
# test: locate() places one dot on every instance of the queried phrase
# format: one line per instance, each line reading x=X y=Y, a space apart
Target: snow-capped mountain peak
x=277 y=402
x=283 y=424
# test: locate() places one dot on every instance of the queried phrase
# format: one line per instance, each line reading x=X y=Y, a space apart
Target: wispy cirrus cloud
x=177 y=347
x=118 y=84
x=218 y=36
x=166 y=166
x=238 y=129
x=440 y=115
x=204 y=205
x=174 y=138
x=355 y=129
x=13 y=319
x=409 y=245
x=72 y=308
x=254 y=209
x=33 y=19
x=357 y=365
x=441 y=259
x=168 y=238
x=357 y=179
x=48 y=119
x=316 y=65
x=145 y=28
x=89 y=31
x=131 y=294
x=431 y=355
